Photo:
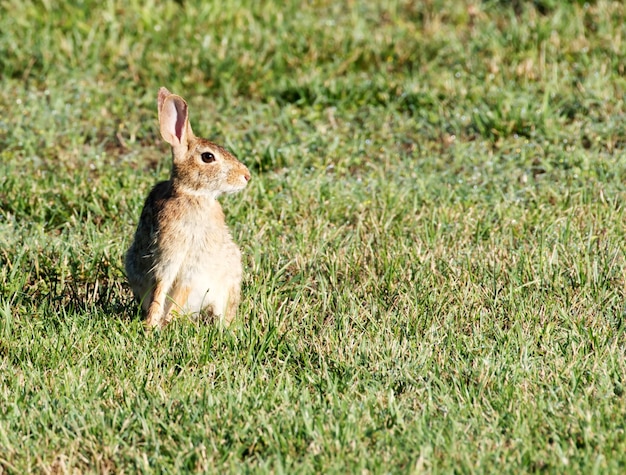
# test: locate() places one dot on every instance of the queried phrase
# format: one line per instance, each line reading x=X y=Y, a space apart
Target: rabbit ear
x=163 y=94
x=173 y=118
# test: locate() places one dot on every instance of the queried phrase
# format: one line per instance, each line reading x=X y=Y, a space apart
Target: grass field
x=433 y=237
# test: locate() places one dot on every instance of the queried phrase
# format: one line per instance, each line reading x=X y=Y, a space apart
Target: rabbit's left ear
x=173 y=119
x=163 y=94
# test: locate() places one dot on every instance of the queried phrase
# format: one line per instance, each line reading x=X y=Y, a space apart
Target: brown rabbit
x=183 y=258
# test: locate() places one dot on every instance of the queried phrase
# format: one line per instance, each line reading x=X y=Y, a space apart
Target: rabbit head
x=200 y=167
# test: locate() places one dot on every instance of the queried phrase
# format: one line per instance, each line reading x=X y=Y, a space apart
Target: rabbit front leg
x=154 y=317
x=160 y=310
x=161 y=300
x=175 y=300
x=166 y=271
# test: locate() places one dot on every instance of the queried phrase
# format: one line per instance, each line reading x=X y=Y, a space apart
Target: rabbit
x=183 y=258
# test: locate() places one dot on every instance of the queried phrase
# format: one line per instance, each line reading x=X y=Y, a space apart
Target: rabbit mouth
x=235 y=187
x=236 y=183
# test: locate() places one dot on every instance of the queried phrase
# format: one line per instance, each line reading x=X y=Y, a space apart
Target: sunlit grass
x=433 y=237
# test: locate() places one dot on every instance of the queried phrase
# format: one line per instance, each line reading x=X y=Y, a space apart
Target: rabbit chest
x=211 y=268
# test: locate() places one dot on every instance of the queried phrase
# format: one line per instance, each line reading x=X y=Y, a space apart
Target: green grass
x=433 y=237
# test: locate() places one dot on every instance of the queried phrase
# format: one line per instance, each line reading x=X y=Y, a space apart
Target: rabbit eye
x=207 y=157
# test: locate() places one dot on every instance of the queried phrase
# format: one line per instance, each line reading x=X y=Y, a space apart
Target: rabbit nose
x=247 y=176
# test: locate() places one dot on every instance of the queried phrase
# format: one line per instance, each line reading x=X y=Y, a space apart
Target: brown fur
x=183 y=258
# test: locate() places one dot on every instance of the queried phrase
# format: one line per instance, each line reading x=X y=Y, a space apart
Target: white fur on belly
x=210 y=280
x=211 y=297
